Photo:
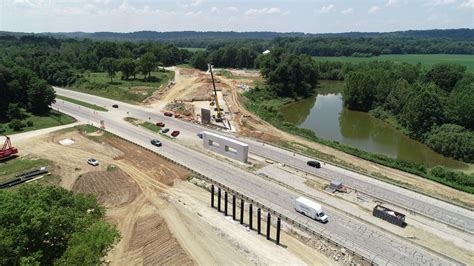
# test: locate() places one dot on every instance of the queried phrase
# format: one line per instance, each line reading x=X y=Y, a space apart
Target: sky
x=316 y=16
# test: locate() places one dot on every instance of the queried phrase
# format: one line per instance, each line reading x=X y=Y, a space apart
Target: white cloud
x=214 y=10
x=373 y=9
x=264 y=11
x=468 y=4
x=439 y=2
x=191 y=3
x=347 y=11
x=193 y=13
x=391 y=2
x=326 y=9
x=232 y=9
x=30 y=3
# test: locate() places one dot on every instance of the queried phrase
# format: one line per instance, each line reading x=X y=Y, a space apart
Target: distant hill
x=453 y=34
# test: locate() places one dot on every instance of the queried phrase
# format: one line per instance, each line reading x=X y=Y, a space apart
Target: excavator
x=219 y=117
x=7 y=150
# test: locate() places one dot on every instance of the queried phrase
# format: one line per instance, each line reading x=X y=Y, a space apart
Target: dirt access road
x=248 y=124
x=162 y=218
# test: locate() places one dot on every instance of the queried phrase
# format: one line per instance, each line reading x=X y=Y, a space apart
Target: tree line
x=30 y=64
x=434 y=106
x=50 y=225
x=62 y=61
x=22 y=91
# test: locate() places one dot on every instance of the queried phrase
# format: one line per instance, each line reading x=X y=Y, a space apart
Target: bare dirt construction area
x=162 y=218
x=251 y=125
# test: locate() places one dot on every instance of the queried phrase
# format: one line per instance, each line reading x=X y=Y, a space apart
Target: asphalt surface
x=381 y=247
x=438 y=210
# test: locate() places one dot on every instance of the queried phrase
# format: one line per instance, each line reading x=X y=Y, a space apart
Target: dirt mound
x=113 y=188
x=156 y=243
x=188 y=71
x=157 y=168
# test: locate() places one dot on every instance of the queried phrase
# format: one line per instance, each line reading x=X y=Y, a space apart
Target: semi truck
x=311 y=209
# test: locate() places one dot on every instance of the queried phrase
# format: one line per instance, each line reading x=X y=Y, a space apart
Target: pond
x=325 y=114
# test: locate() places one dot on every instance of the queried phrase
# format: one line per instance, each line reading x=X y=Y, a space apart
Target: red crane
x=7 y=149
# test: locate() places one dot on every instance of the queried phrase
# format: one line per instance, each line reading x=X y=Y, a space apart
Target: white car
x=92 y=162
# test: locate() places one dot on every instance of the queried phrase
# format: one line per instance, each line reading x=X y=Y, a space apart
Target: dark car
x=160 y=124
x=156 y=142
x=165 y=130
x=175 y=133
x=199 y=135
x=314 y=164
x=115 y=105
x=177 y=115
x=168 y=114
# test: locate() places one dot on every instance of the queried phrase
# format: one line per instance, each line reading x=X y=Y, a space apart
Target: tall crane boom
x=219 y=114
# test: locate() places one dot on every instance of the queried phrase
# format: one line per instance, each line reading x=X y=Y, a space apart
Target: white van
x=310 y=209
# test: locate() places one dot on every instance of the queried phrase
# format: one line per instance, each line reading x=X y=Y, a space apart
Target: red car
x=175 y=133
x=177 y=115
x=168 y=114
x=160 y=124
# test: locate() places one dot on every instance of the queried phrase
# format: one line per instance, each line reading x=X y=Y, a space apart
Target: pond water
x=325 y=114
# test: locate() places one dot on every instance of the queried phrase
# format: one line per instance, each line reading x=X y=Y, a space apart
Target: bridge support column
x=219 y=199
x=212 y=196
x=242 y=207
x=225 y=203
x=268 y=225
x=250 y=216
x=233 y=207
x=278 y=231
x=259 y=220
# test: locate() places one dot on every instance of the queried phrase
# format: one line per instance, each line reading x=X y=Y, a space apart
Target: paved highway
x=382 y=247
x=436 y=209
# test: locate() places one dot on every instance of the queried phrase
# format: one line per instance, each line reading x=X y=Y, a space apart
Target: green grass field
x=88 y=105
x=53 y=119
x=427 y=60
x=132 y=91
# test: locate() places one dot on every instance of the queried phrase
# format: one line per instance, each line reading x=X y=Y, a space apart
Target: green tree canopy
x=199 y=60
x=359 y=91
x=446 y=75
x=109 y=65
x=127 y=66
x=453 y=141
x=423 y=110
x=289 y=75
x=43 y=225
x=462 y=102
x=148 y=63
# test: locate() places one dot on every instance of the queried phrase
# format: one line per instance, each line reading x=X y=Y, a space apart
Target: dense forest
x=30 y=64
x=454 y=34
x=50 y=225
x=434 y=106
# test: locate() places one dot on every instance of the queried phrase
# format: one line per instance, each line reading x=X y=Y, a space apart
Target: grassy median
x=88 y=105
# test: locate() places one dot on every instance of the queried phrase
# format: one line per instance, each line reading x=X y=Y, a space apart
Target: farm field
x=427 y=60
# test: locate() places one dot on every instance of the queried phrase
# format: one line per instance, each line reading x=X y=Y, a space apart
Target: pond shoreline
x=324 y=114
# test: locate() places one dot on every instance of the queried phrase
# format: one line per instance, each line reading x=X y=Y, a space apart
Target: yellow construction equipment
x=219 y=114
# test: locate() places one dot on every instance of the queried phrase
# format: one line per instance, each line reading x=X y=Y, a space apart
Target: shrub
x=16 y=125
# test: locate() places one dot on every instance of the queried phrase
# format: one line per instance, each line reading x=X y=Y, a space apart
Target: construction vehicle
x=219 y=114
x=7 y=150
